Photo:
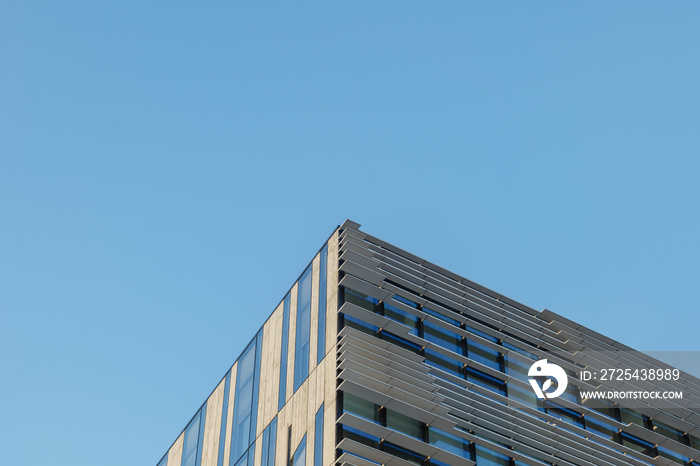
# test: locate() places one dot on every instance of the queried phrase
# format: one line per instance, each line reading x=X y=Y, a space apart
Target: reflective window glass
x=303 y=330
x=299 y=458
x=404 y=424
x=269 y=443
x=403 y=317
x=360 y=299
x=486 y=381
x=360 y=407
x=403 y=453
x=440 y=316
x=322 y=285
x=442 y=362
x=449 y=442
x=284 y=356
x=637 y=444
x=600 y=428
x=486 y=457
x=245 y=399
x=438 y=335
x=484 y=355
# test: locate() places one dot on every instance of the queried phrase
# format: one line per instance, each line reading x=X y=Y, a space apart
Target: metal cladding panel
x=468 y=410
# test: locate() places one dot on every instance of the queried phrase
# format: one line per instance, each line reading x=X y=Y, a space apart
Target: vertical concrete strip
x=212 y=426
x=332 y=293
x=229 y=415
x=175 y=453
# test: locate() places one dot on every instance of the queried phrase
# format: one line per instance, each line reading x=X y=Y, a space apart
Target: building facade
x=378 y=357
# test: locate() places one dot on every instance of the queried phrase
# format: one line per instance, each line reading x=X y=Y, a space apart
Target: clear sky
x=167 y=169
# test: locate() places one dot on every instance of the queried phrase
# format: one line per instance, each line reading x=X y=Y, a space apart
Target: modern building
x=378 y=357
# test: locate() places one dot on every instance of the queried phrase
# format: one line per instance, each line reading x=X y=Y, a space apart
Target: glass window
x=360 y=325
x=360 y=407
x=486 y=381
x=245 y=407
x=600 y=428
x=403 y=317
x=269 y=443
x=486 y=457
x=515 y=368
x=637 y=444
x=440 y=316
x=519 y=350
x=694 y=442
x=164 y=461
x=322 y=285
x=404 y=424
x=299 y=458
x=251 y=455
x=445 y=363
x=486 y=356
x=672 y=455
x=284 y=356
x=361 y=437
x=303 y=333
x=565 y=414
x=401 y=342
x=523 y=395
x=448 y=340
x=628 y=416
x=192 y=446
x=407 y=302
x=361 y=300
x=601 y=406
x=483 y=335
x=403 y=453
x=571 y=394
x=434 y=462
x=318 y=438
x=668 y=431
x=449 y=442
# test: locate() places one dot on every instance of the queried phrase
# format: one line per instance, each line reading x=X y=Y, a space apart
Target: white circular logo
x=542 y=368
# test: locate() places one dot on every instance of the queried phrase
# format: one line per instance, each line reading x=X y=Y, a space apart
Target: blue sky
x=167 y=169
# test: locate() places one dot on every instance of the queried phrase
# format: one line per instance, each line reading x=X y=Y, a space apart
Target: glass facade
x=269 y=444
x=303 y=330
x=283 y=355
x=322 y=296
x=194 y=436
x=246 y=400
x=299 y=458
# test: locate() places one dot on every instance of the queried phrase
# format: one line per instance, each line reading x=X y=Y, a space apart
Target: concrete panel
x=212 y=426
x=329 y=433
x=270 y=369
x=175 y=452
x=258 y=453
x=299 y=414
x=332 y=293
x=283 y=424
